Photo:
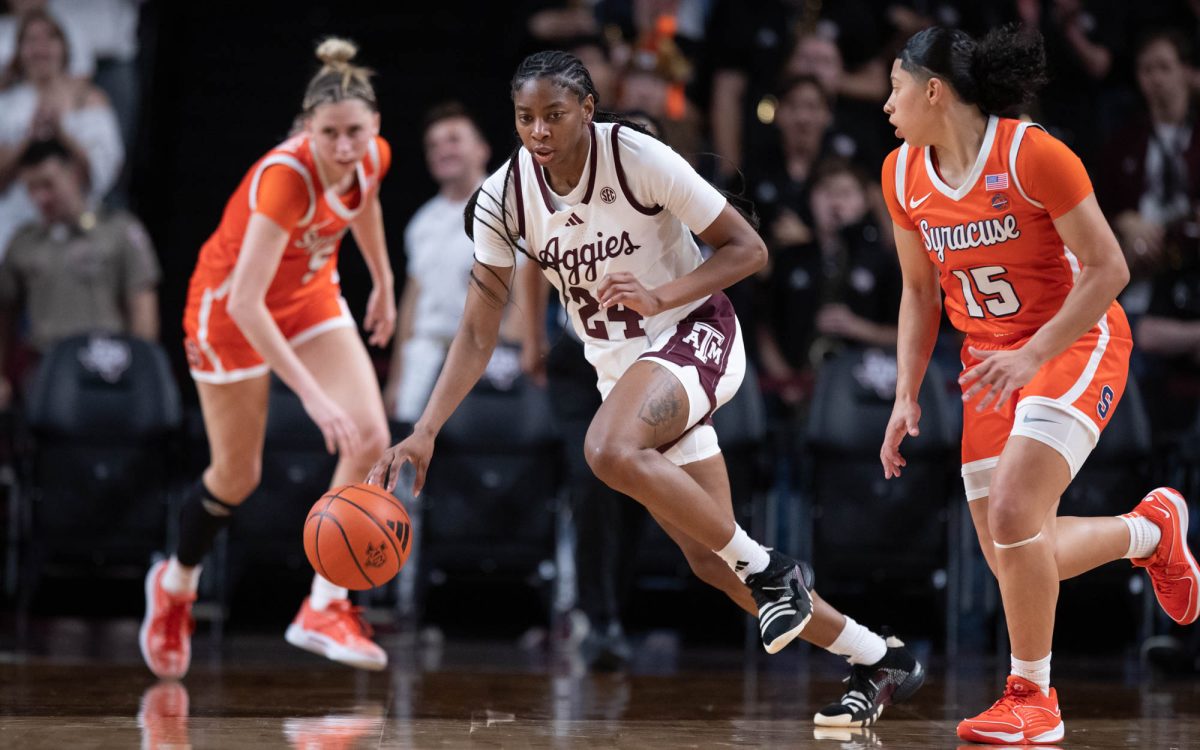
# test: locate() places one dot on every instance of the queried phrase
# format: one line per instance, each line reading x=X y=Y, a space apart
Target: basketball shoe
x=1022 y=716
x=334 y=732
x=166 y=633
x=785 y=605
x=1172 y=568
x=339 y=633
x=870 y=687
x=163 y=716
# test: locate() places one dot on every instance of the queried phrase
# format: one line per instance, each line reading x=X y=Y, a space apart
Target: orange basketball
x=357 y=536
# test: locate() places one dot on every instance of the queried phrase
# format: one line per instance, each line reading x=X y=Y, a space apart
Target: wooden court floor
x=77 y=684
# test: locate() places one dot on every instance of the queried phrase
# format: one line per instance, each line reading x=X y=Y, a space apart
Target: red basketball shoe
x=1172 y=568
x=166 y=633
x=1022 y=716
x=339 y=633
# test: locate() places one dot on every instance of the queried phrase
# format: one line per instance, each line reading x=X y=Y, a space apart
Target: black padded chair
x=489 y=507
x=102 y=415
x=877 y=539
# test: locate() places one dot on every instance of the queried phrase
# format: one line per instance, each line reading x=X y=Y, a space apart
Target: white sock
x=743 y=555
x=180 y=579
x=1037 y=672
x=858 y=644
x=324 y=593
x=1144 y=536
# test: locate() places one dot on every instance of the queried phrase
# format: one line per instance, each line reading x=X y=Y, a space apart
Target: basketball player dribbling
x=605 y=210
x=265 y=297
x=1002 y=217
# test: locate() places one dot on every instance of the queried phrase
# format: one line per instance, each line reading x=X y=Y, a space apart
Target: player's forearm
x=729 y=264
x=1094 y=291
x=469 y=353
x=368 y=234
x=920 y=313
x=256 y=324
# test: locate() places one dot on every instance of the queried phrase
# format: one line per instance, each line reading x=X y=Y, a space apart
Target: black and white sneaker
x=784 y=602
x=870 y=687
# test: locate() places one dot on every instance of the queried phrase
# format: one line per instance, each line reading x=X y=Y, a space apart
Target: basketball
x=357 y=536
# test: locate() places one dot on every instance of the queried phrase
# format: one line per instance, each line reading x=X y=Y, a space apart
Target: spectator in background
x=653 y=83
x=44 y=102
x=75 y=270
x=1150 y=176
x=1083 y=40
x=595 y=56
x=81 y=58
x=440 y=256
x=841 y=289
x=110 y=31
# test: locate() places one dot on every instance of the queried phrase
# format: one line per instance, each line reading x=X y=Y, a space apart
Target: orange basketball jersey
x=1003 y=266
x=301 y=202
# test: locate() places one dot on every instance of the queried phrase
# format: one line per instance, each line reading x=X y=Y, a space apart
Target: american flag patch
x=996 y=181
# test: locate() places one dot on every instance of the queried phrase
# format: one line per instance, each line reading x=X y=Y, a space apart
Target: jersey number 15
x=997 y=295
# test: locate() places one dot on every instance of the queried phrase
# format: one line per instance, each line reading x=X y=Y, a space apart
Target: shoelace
x=1013 y=697
x=345 y=611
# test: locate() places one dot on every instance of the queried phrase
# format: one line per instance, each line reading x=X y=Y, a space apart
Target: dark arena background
x=538 y=609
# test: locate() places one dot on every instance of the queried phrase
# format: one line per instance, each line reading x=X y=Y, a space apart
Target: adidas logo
x=740 y=566
x=574 y=220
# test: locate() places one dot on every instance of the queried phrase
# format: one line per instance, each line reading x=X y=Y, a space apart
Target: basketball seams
x=384 y=529
x=333 y=520
x=381 y=495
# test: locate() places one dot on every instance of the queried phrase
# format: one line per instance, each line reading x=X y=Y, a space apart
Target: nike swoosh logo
x=1038 y=419
x=914 y=202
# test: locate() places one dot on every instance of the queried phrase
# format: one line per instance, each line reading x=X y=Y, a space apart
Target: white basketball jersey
x=630 y=212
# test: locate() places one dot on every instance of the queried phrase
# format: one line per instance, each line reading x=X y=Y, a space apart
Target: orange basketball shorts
x=217 y=352
x=1066 y=405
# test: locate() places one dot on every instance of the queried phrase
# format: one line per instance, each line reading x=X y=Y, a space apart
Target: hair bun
x=336 y=51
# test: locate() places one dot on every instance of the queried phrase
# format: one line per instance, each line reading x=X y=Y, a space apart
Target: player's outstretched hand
x=339 y=430
x=416 y=449
x=906 y=415
x=623 y=288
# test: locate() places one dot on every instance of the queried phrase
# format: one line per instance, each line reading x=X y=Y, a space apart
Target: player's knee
x=233 y=483
x=374 y=441
x=1009 y=520
x=609 y=460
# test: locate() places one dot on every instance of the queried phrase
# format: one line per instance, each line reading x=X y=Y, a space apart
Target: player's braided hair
x=997 y=73
x=567 y=71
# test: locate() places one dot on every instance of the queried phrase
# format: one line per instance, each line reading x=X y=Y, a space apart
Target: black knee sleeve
x=200 y=520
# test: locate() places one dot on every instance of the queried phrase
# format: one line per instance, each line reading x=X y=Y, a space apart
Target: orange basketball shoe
x=1173 y=571
x=1022 y=716
x=339 y=633
x=166 y=633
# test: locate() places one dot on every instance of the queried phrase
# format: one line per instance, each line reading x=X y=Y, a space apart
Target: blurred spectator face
x=454 y=150
x=837 y=201
x=42 y=51
x=600 y=69
x=817 y=57
x=803 y=114
x=341 y=131
x=644 y=91
x=1161 y=75
x=56 y=189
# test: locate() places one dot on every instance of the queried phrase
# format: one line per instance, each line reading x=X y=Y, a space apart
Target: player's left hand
x=998 y=375
x=380 y=321
x=623 y=288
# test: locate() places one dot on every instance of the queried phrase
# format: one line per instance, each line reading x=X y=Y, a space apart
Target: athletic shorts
x=1066 y=405
x=217 y=352
x=704 y=351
